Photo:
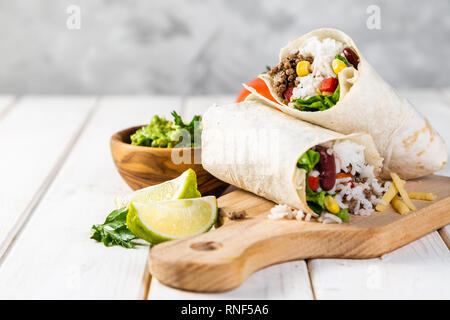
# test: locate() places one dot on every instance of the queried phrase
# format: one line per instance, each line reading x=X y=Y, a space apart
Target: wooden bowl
x=141 y=167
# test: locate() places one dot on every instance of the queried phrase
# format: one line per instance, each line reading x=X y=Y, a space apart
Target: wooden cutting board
x=223 y=258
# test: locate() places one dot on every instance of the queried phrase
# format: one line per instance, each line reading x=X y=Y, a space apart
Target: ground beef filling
x=284 y=74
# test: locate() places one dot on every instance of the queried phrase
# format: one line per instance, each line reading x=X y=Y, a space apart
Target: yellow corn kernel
x=302 y=68
x=421 y=195
x=318 y=91
x=338 y=65
x=331 y=205
x=399 y=205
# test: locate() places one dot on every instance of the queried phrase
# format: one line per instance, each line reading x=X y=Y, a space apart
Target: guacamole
x=161 y=133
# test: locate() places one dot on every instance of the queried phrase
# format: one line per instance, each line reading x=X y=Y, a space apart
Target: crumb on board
x=237 y=215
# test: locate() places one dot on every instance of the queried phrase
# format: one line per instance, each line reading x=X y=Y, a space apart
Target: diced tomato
x=342 y=175
x=313 y=183
x=329 y=85
x=288 y=93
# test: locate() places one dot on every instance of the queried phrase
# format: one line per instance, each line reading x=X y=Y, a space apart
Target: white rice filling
x=281 y=211
x=323 y=53
x=349 y=157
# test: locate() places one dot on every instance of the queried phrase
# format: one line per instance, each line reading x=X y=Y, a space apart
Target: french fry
x=399 y=205
x=387 y=197
x=399 y=184
x=421 y=195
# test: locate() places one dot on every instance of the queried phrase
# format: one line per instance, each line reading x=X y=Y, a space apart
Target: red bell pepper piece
x=343 y=175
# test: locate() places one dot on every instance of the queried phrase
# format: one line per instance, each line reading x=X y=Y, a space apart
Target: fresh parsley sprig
x=114 y=231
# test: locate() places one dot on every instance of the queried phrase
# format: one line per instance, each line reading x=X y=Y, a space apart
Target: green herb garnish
x=114 y=231
x=318 y=102
x=194 y=127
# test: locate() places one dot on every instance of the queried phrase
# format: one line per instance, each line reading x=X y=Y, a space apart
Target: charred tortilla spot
x=411 y=140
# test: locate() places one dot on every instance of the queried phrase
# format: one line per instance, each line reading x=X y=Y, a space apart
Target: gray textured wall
x=204 y=46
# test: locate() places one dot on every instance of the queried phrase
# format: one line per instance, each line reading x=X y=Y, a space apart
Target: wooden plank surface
x=285 y=281
x=54 y=258
x=416 y=271
x=35 y=136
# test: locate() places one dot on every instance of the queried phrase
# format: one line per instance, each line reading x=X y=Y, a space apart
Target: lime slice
x=156 y=222
x=183 y=187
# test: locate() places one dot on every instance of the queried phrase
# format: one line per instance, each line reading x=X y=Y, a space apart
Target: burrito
x=291 y=162
x=322 y=78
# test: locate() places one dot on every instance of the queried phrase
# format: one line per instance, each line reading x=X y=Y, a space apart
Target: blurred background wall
x=204 y=46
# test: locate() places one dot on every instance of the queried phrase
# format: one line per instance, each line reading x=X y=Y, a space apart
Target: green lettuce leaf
x=343 y=59
x=308 y=160
x=315 y=200
x=318 y=102
x=343 y=214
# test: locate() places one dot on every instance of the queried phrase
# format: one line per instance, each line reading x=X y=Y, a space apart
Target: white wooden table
x=58 y=179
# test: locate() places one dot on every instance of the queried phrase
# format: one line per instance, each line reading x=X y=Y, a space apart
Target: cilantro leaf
x=114 y=231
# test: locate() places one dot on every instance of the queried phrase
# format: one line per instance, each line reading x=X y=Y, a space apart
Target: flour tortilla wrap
x=409 y=145
x=256 y=148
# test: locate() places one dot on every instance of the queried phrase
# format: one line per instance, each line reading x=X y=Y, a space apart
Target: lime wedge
x=156 y=222
x=183 y=187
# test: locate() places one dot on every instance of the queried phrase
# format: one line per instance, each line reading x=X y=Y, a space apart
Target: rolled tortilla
x=409 y=145
x=256 y=148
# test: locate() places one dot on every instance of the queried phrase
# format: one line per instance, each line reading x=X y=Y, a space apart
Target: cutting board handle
x=222 y=259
